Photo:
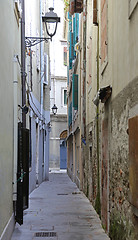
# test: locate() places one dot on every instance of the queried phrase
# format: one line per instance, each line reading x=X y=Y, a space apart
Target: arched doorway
x=63 y=150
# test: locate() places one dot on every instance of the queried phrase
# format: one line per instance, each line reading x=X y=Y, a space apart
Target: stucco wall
x=10 y=46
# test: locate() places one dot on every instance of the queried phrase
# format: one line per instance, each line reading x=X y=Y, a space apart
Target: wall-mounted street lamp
x=54 y=109
x=51 y=20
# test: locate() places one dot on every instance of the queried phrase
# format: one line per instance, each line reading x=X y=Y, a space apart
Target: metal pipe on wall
x=41 y=59
x=15 y=89
x=23 y=74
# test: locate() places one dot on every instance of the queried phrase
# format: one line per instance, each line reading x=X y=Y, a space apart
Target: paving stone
x=59 y=206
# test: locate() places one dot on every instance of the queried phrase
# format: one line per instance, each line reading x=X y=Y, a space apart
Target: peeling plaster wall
x=122 y=108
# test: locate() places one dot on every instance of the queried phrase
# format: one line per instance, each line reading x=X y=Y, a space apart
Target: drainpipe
x=47 y=153
x=23 y=74
x=41 y=60
x=84 y=67
x=98 y=203
x=15 y=88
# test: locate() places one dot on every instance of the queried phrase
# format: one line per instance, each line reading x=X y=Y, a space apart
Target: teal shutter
x=77 y=27
x=75 y=91
x=74 y=34
x=70 y=114
x=70 y=41
x=68 y=75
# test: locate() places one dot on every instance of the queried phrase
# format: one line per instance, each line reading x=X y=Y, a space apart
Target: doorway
x=63 y=150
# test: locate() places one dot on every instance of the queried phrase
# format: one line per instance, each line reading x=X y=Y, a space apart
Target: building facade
x=58 y=94
x=102 y=110
x=38 y=93
x=25 y=108
x=10 y=97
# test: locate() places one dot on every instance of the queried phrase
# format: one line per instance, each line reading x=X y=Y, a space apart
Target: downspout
x=41 y=89
x=41 y=60
x=47 y=153
x=84 y=67
x=23 y=74
x=15 y=88
x=83 y=85
x=98 y=203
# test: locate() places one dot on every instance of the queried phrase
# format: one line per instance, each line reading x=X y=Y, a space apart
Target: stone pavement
x=59 y=211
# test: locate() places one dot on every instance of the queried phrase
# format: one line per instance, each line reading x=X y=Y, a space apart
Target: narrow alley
x=58 y=210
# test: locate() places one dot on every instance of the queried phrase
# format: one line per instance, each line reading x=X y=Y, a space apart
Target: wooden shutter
x=70 y=114
x=75 y=91
x=133 y=162
x=71 y=51
x=78 y=6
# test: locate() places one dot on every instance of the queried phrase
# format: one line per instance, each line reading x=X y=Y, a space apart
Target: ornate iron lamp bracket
x=32 y=41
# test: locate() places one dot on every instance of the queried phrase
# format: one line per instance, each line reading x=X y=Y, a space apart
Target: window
x=75 y=91
x=90 y=152
x=65 y=56
x=65 y=97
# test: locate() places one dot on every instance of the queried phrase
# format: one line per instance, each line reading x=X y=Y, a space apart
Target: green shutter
x=75 y=91
x=70 y=114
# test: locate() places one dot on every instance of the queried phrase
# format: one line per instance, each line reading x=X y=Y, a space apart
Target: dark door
x=22 y=173
x=63 y=154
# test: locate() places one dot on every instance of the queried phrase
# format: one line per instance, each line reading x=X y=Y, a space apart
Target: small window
x=90 y=152
x=65 y=56
x=65 y=97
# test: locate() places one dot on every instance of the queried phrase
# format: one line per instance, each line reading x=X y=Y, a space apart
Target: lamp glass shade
x=51 y=20
x=54 y=109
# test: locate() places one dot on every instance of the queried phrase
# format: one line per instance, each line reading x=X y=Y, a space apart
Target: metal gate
x=22 y=173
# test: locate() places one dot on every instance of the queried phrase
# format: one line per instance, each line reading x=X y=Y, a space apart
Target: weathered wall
x=119 y=155
x=109 y=141
x=120 y=71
